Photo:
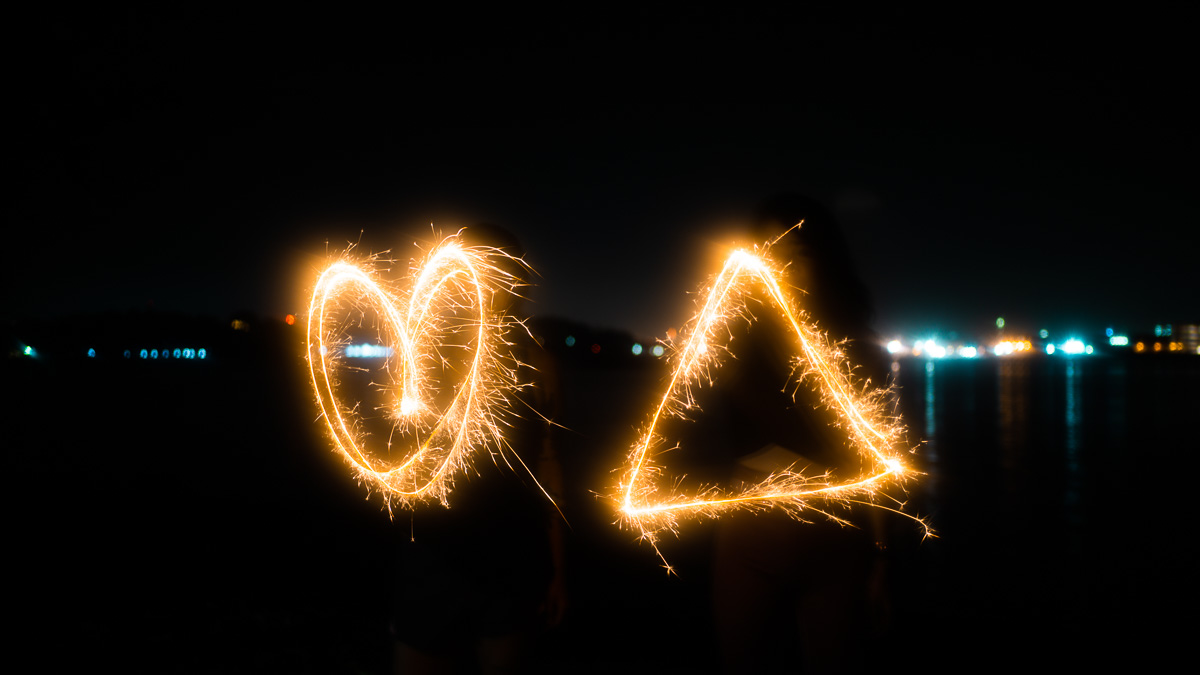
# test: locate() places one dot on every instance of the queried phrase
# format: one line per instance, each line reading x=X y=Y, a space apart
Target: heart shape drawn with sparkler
x=444 y=314
x=651 y=503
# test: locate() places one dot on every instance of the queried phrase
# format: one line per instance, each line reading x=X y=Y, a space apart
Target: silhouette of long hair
x=833 y=294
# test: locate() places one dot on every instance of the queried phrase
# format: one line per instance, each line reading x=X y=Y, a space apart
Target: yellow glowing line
x=452 y=276
x=872 y=432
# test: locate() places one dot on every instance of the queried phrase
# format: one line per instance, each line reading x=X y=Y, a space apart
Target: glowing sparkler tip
x=410 y=405
x=744 y=258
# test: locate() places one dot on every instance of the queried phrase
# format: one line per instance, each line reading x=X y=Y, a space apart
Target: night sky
x=1030 y=167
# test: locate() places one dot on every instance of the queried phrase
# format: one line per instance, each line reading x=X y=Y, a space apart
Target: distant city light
x=570 y=340
x=28 y=351
x=1072 y=346
x=657 y=351
x=1000 y=322
x=91 y=353
x=1006 y=347
x=290 y=319
x=637 y=349
x=165 y=353
x=596 y=349
x=368 y=351
x=1067 y=345
x=1158 y=331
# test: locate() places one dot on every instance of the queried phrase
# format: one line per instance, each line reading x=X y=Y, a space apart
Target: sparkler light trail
x=652 y=503
x=447 y=311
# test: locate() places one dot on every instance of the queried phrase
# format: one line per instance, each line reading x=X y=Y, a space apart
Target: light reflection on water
x=1031 y=482
x=1038 y=433
x=930 y=414
x=1012 y=409
x=1072 y=497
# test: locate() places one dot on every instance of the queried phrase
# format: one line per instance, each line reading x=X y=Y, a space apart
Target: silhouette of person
x=475 y=580
x=792 y=596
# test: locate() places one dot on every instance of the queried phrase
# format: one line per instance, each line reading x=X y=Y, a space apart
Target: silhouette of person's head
x=820 y=263
x=512 y=267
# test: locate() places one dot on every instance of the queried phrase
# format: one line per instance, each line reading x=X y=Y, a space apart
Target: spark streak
x=646 y=500
x=446 y=311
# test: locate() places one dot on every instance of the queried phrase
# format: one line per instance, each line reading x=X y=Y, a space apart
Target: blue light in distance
x=1043 y=333
x=143 y=353
x=1108 y=332
x=177 y=353
x=1072 y=346
x=368 y=351
x=202 y=353
x=154 y=353
x=1050 y=348
x=91 y=352
x=29 y=351
x=1158 y=331
x=657 y=351
x=127 y=354
x=637 y=349
x=1119 y=340
x=570 y=340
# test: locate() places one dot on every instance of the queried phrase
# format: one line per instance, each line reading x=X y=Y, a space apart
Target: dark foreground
x=190 y=517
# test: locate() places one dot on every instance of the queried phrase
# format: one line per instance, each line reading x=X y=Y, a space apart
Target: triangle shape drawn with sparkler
x=871 y=432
